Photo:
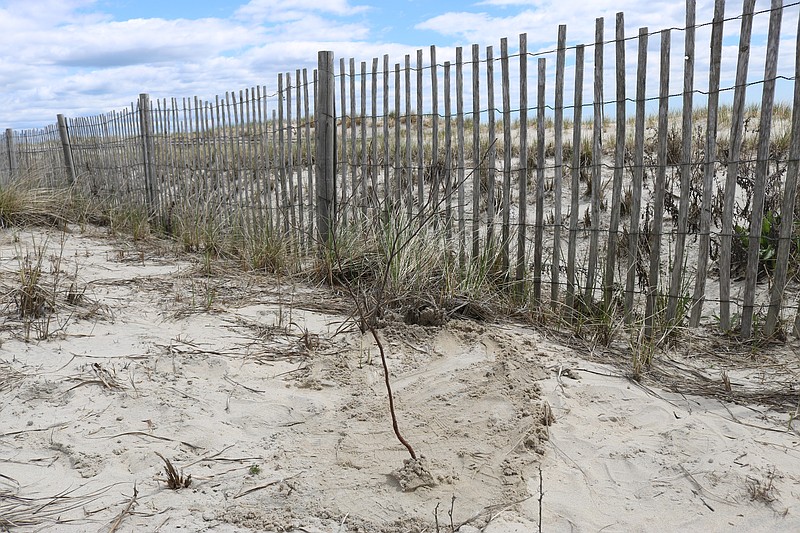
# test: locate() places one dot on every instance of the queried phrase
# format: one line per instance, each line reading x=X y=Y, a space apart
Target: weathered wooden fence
x=591 y=209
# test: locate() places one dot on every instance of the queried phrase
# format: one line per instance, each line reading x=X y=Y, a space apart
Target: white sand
x=242 y=383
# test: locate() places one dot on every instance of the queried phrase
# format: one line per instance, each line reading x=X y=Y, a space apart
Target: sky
x=85 y=57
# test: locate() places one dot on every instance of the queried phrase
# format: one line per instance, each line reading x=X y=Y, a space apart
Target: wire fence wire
x=591 y=188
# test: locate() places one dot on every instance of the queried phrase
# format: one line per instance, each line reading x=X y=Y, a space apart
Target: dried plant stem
x=125 y=511
x=450 y=512
x=541 y=497
x=395 y=426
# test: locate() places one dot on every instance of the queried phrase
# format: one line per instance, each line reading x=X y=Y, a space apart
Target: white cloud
x=540 y=20
x=142 y=41
x=288 y=10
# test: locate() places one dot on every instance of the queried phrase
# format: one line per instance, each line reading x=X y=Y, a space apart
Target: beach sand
x=272 y=408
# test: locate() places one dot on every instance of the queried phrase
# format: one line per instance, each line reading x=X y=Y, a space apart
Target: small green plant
x=767 y=248
x=254 y=470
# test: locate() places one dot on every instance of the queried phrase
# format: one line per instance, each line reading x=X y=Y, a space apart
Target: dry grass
x=10 y=377
x=763 y=490
x=34 y=511
x=22 y=203
x=175 y=480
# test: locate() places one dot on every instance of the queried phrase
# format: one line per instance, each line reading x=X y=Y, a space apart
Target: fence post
x=68 y=162
x=325 y=135
x=146 y=128
x=12 y=155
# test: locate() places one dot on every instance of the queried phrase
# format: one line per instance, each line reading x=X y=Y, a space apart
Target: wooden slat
x=677 y=276
x=352 y=201
x=477 y=156
x=448 y=147
x=386 y=160
x=188 y=163
x=241 y=159
x=540 y=177
x=176 y=161
x=256 y=137
x=558 y=139
x=363 y=201
x=787 y=214
x=115 y=132
x=597 y=161
x=131 y=129
x=202 y=133
x=290 y=165
x=398 y=168
x=200 y=154
x=460 y=156
x=572 y=285
x=104 y=157
x=619 y=168
x=247 y=155
x=310 y=149
x=215 y=135
x=233 y=159
x=491 y=245
x=343 y=156
x=638 y=175
x=262 y=175
x=277 y=166
x=300 y=198
x=227 y=177
x=189 y=158
x=102 y=165
x=434 y=164
x=220 y=175
x=373 y=166
x=654 y=273
x=506 y=92
x=409 y=170
x=228 y=152
x=709 y=163
x=325 y=150
x=734 y=152
x=284 y=169
x=420 y=143
x=522 y=200
x=762 y=168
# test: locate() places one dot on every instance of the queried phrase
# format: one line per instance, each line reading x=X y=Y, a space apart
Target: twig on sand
x=245 y=387
x=450 y=512
x=541 y=497
x=32 y=430
x=254 y=489
x=125 y=511
x=496 y=509
x=150 y=435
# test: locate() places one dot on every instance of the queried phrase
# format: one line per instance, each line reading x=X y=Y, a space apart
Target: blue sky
x=83 y=57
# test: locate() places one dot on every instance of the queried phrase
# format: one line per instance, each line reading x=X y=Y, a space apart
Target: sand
x=272 y=409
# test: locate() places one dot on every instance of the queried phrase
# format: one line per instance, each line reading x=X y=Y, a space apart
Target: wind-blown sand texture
x=264 y=393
